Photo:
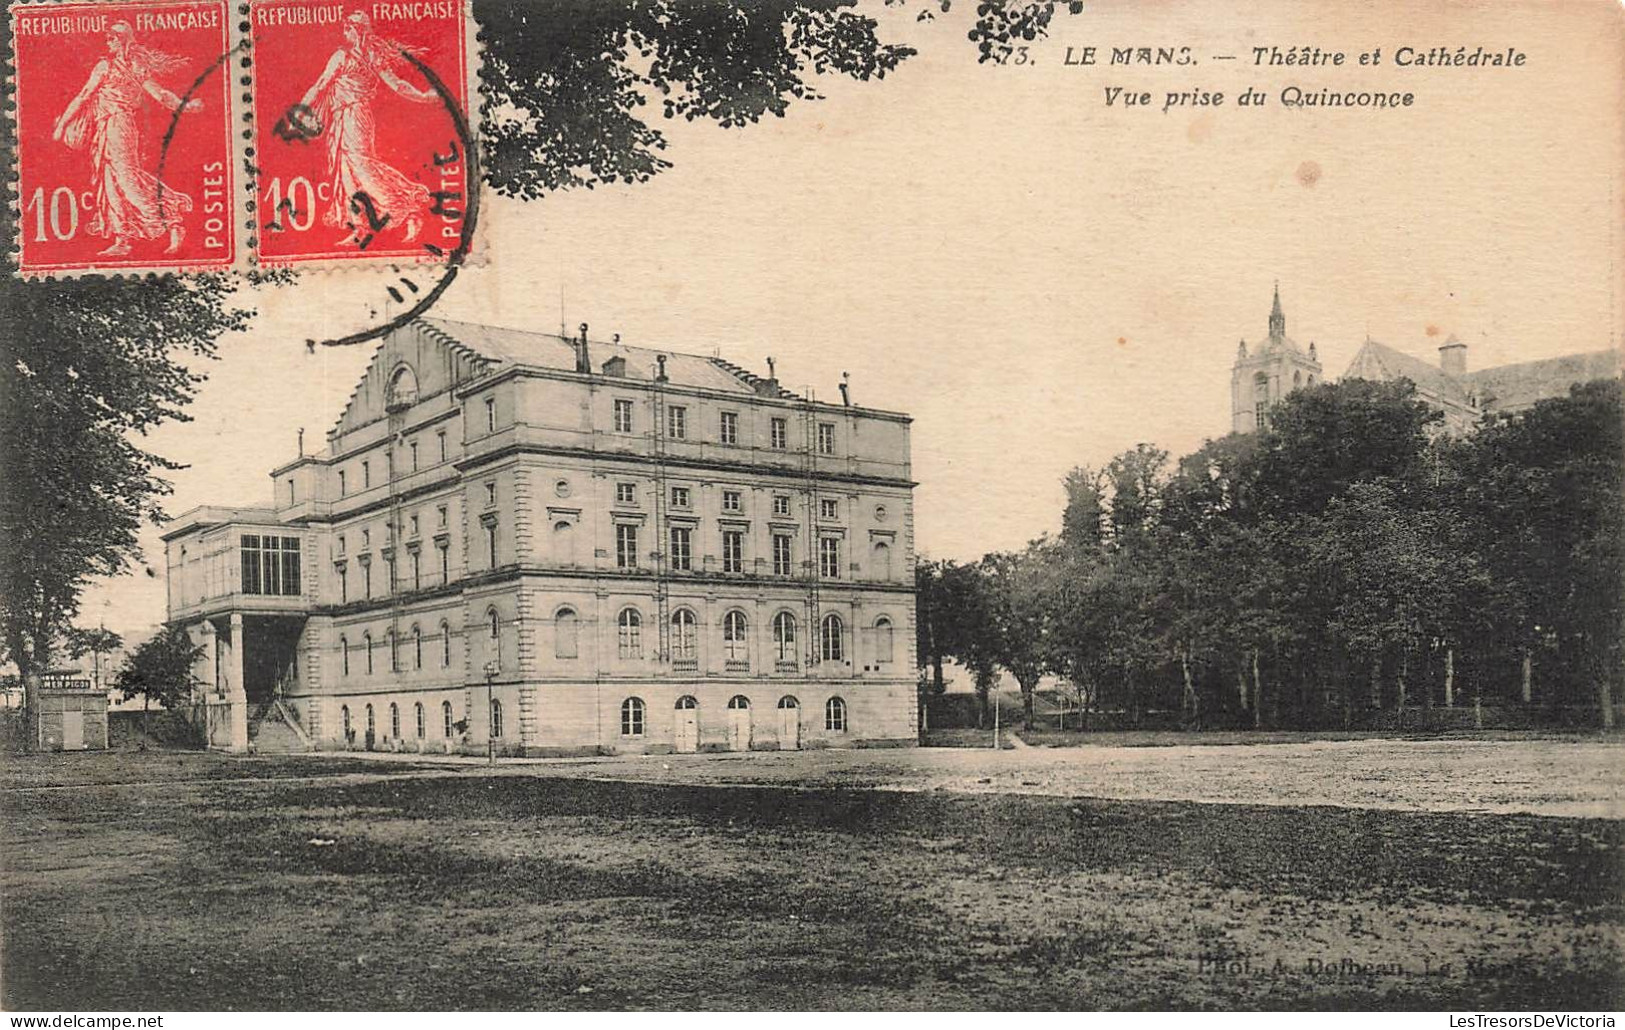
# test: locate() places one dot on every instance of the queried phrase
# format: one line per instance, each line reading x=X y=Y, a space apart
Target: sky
x=1041 y=280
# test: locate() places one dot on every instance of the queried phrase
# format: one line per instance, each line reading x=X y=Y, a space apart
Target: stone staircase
x=273 y=730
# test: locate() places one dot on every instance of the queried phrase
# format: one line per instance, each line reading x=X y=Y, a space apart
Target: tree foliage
x=161 y=668
x=1348 y=559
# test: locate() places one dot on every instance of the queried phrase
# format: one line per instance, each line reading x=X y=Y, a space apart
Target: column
x=236 y=689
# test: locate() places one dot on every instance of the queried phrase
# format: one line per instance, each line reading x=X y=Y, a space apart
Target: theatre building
x=562 y=546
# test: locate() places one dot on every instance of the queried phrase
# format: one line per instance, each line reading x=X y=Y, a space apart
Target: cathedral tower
x=1263 y=375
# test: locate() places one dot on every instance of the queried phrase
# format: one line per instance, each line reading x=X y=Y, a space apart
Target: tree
x=1020 y=590
x=88 y=367
x=161 y=669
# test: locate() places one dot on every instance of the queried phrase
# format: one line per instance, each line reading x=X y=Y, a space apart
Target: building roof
x=1378 y=361
x=502 y=346
x=1506 y=387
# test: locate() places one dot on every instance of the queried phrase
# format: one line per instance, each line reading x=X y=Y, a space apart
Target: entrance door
x=688 y=725
x=739 y=723
x=789 y=723
x=73 y=731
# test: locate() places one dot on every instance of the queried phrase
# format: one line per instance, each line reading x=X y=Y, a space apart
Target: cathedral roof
x=1506 y=387
x=1500 y=388
x=1378 y=361
x=502 y=346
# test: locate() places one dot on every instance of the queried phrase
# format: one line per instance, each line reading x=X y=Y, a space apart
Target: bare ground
x=314 y=883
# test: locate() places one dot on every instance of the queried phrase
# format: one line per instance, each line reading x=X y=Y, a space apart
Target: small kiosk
x=73 y=713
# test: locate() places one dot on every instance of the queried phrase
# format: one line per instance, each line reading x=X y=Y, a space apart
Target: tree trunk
x=1404 y=668
x=1027 y=705
x=937 y=684
x=1188 y=702
x=146 y=719
x=1527 y=694
x=1450 y=678
x=1241 y=683
x=1605 y=698
x=1376 y=683
x=1258 y=693
x=31 y=710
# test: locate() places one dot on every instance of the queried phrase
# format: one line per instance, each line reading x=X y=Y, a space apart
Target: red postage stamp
x=361 y=130
x=124 y=153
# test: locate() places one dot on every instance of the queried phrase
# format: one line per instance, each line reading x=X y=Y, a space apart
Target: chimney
x=583 y=359
x=768 y=387
x=660 y=368
x=1453 y=357
x=846 y=389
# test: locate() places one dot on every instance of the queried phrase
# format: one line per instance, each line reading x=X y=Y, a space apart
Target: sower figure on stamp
x=130 y=201
x=366 y=190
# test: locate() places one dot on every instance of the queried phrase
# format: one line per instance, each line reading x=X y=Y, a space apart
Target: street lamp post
x=490 y=721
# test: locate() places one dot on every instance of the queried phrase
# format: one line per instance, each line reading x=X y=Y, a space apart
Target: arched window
x=496 y=718
x=395 y=720
x=367 y=637
x=739 y=703
x=417 y=648
x=445 y=645
x=789 y=702
x=831 y=639
x=344 y=718
x=493 y=627
x=882 y=562
x=403 y=386
x=344 y=655
x=686 y=703
x=564 y=543
x=1261 y=400
x=372 y=725
x=629 y=633
x=632 y=717
x=684 y=636
x=883 y=640
x=422 y=726
x=445 y=716
x=736 y=637
x=565 y=631
x=784 y=637
x=835 y=715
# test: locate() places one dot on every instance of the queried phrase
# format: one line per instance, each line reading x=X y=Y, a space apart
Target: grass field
x=210 y=882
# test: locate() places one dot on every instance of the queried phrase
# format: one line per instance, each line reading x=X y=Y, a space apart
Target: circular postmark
x=302 y=124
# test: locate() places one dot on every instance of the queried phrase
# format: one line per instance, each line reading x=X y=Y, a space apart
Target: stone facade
x=626 y=549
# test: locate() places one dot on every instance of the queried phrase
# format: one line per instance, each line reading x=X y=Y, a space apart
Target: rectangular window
x=490 y=414
x=677 y=422
x=417 y=571
x=342 y=488
x=291 y=496
x=829 y=557
x=491 y=542
x=344 y=585
x=445 y=564
x=782 y=561
x=781 y=504
x=626 y=493
x=389 y=565
x=728 y=433
x=366 y=539
x=826 y=438
x=829 y=508
x=731 y=501
x=490 y=495
x=442 y=514
x=341 y=543
x=778 y=435
x=440 y=438
x=251 y=565
x=412 y=526
x=366 y=475
x=290 y=566
x=682 y=548
x=366 y=580
x=733 y=551
x=626 y=547
x=679 y=497
x=623 y=416
x=413 y=447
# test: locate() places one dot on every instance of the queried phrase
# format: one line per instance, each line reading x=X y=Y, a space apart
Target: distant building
x=1261 y=377
x=638 y=550
x=1269 y=371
